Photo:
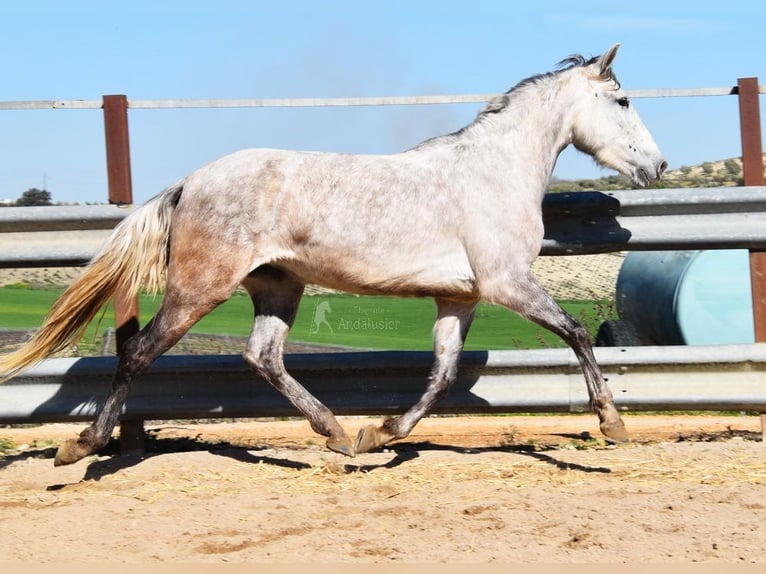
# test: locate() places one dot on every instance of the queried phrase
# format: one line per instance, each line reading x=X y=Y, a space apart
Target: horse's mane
x=499 y=103
x=502 y=101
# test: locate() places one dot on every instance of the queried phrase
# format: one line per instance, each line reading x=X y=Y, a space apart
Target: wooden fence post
x=132 y=436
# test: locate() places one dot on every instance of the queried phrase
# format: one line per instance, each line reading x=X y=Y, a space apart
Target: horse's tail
x=134 y=257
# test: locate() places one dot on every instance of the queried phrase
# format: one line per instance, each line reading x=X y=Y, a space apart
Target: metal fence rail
x=55 y=236
x=332 y=102
x=655 y=219
x=727 y=377
x=575 y=223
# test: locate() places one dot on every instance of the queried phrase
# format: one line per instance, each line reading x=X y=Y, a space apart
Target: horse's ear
x=606 y=61
x=496 y=104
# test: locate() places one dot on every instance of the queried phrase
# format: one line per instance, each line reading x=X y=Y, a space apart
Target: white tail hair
x=134 y=257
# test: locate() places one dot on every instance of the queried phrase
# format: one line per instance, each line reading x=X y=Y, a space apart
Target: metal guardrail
x=575 y=223
x=55 y=236
x=729 y=377
x=655 y=219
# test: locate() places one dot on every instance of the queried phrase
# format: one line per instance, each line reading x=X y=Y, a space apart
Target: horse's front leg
x=529 y=299
x=452 y=324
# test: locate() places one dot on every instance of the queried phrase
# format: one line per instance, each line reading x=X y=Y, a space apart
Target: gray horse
x=457 y=218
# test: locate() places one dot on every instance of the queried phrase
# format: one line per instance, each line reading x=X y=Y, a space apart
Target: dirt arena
x=459 y=490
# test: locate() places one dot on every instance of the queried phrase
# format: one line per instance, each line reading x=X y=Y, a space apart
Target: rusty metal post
x=750 y=124
x=132 y=436
x=752 y=173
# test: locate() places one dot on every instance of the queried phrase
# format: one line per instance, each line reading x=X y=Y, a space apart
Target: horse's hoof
x=370 y=438
x=615 y=431
x=70 y=452
x=341 y=445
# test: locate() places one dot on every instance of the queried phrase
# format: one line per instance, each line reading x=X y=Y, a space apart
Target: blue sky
x=336 y=48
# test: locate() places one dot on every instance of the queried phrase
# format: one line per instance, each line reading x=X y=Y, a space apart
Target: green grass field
x=361 y=322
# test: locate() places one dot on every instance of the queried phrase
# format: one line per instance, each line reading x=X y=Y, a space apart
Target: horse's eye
x=624 y=102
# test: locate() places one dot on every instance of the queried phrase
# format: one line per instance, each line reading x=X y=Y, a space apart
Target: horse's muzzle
x=646 y=177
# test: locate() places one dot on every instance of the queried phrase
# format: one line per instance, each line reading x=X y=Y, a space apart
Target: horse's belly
x=410 y=277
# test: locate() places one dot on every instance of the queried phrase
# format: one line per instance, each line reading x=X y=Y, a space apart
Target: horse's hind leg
x=452 y=324
x=276 y=296
x=529 y=299
x=172 y=321
x=192 y=292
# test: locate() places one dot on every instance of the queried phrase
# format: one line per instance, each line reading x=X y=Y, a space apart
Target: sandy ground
x=460 y=489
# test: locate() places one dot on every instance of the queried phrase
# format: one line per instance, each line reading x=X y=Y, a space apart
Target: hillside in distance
x=722 y=173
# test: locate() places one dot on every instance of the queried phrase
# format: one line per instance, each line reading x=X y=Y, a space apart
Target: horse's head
x=607 y=127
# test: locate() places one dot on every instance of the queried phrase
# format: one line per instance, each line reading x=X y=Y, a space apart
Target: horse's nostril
x=662 y=167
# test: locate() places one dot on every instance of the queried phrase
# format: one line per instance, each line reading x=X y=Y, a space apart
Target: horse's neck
x=531 y=133
x=523 y=142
